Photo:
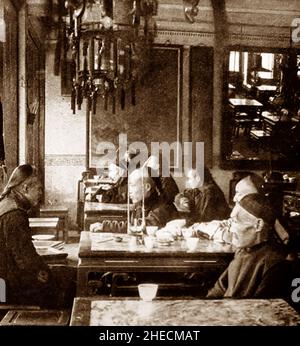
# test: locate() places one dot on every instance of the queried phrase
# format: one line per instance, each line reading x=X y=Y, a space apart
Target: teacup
x=187 y=233
x=192 y=243
x=147 y=292
x=149 y=242
x=151 y=230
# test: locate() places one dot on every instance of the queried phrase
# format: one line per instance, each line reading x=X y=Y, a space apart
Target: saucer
x=164 y=242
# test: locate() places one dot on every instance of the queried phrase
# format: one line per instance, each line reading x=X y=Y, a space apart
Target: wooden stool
x=61 y=213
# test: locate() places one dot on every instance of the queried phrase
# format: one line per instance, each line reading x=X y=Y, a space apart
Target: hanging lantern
x=107 y=45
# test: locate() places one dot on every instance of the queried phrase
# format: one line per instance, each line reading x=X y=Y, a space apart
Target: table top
x=62 y=253
x=106 y=245
x=43 y=219
x=43 y=222
x=245 y=102
x=183 y=312
x=266 y=87
x=275 y=118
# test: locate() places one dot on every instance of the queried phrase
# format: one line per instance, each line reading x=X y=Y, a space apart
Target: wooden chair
x=241 y=121
x=261 y=137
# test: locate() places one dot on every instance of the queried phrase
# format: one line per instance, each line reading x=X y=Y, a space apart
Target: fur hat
x=257 y=205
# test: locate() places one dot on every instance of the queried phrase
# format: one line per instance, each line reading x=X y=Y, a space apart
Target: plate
x=43 y=236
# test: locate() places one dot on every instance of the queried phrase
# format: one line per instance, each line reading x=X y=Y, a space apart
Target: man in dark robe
x=28 y=278
x=157 y=211
x=252 y=273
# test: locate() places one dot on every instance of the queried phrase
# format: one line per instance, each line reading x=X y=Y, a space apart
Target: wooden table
x=173 y=312
x=266 y=87
x=245 y=105
x=243 y=102
x=265 y=91
x=35 y=317
x=272 y=119
x=97 y=255
x=57 y=211
x=56 y=252
x=103 y=212
x=44 y=224
x=278 y=128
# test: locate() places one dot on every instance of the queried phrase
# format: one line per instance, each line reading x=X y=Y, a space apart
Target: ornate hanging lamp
x=108 y=44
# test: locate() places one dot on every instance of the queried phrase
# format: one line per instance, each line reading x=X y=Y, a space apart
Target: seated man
x=220 y=230
x=166 y=185
x=157 y=211
x=206 y=200
x=256 y=255
x=116 y=193
x=28 y=279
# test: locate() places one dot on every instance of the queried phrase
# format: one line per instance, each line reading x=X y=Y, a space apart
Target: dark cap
x=18 y=176
x=257 y=205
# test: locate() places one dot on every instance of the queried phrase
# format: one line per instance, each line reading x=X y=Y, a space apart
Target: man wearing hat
x=257 y=253
x=28 y=279
x=218 y=229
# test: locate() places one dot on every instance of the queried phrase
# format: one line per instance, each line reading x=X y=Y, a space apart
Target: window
x=234 y=61
x=245 y=67
x=267 y=62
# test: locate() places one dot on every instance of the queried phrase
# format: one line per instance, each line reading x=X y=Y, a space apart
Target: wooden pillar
x=10 y=86
x=220 y=43
x=87 y=140
x=186 y=127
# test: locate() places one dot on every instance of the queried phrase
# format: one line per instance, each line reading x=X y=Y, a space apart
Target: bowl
x=147 y=292
x=151 y=230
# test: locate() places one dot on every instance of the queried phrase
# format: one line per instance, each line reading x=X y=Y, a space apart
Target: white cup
x=151 y=230
x=149 y=242
x=192 y=243
x=147 y=292
x=132 y=243
x=187 y=233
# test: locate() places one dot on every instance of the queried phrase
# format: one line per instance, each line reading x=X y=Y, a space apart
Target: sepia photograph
x=149 y=167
